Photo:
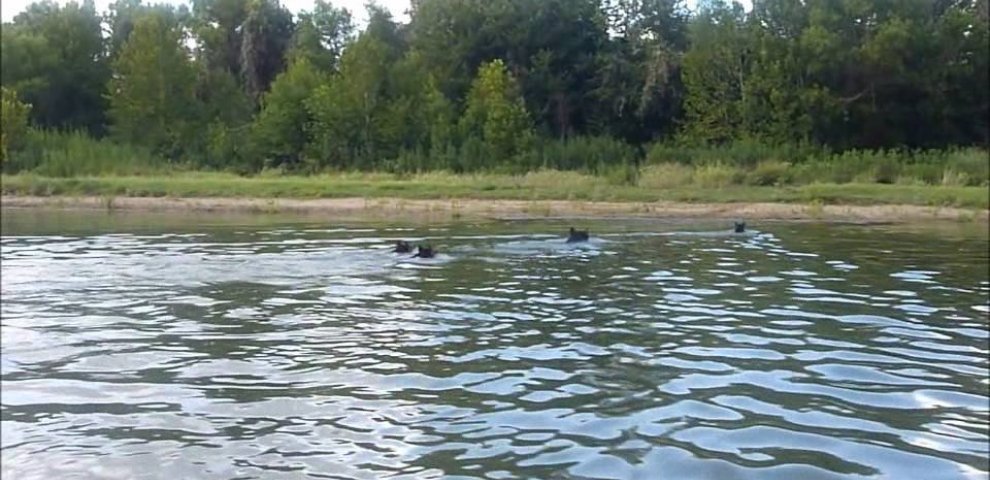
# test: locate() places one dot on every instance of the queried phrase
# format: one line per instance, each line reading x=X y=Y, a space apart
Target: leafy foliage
x=350 y=111
x=321 y=36
x=278 y=134
x=519 y=84
x=850 y=74
x=13 y=122
x=152 y=101
x=265 y=36
x=54 y=56
x=496 y=114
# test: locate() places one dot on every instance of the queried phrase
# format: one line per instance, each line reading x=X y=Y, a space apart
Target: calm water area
x=181 y=346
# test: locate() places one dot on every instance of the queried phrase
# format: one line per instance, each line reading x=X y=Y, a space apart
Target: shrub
x=472 y=156
x=921 y=173
x=408 y=161
x=971 y=162
x=592 y=154
x=230 y=147
x=770 y=172
x=13 y=123
x=665 y=153
x=853 y=165
x=748 y=153
x=620 y=174
x=886 y=167
x=953 y=178
x=742 y=153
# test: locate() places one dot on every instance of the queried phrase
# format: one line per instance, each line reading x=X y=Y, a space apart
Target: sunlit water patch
x=160 y=348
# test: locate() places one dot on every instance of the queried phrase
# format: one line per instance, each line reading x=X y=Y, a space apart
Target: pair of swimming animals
x=422 y=251
x=574 y=236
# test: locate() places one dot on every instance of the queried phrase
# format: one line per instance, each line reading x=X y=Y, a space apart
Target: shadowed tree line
x=509 y=85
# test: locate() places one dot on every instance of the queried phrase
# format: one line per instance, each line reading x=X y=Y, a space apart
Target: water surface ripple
x=286 y=351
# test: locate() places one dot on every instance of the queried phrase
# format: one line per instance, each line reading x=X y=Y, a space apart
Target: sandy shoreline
x=501 y=209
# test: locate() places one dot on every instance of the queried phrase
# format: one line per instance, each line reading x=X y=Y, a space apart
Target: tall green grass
x=606 y=160
x=743 y=154
x=70 y=154
x=961 y=167
x=755 y=164
x=540 y=185
x=598 y=155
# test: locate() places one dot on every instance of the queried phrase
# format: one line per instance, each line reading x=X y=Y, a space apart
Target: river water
x=161 y=346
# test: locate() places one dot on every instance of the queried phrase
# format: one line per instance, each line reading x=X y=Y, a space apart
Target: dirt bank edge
x=500 y=209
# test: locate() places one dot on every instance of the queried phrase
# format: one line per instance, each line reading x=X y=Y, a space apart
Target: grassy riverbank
x=546 y=185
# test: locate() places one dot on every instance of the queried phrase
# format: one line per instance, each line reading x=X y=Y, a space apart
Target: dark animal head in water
x=402 y=246
x=577 y=236
x=424 y=252
x=740 y=227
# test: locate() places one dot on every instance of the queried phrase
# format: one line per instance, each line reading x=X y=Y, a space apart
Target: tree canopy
x=483 y=83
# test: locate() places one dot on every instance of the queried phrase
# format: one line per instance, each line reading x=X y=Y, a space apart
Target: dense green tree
x=220 y=98
x=353 y=114
x=961 y=84
x=418 y=114
x=27 y=61
x=13 y=122
x=54 y=56
x=321 y=36
x=496 y=114
x=122 y=14
x=217 y=28
x=469 y=84
x=715 y=72
x=848 y=74
x=550 y=46
x=152 y=92
x=638 y=92
x=350 y=111
x=226 y=110
x=279 y=133
x=448 y=35
x=383 y=28
x=248 y=38
x=265 y=36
